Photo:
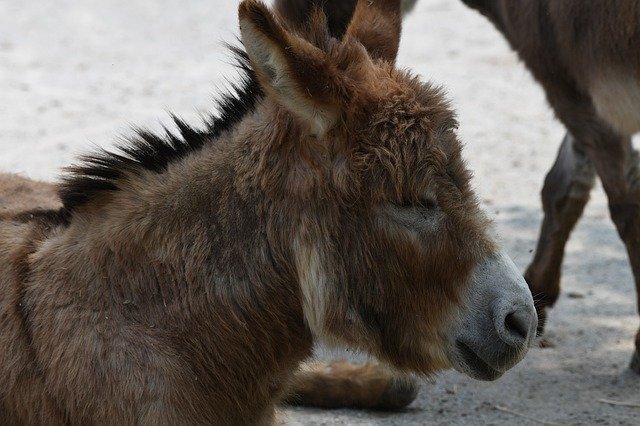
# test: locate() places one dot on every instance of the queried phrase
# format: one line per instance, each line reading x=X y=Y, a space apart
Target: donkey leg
x=341 y=384
x=619 y=168
x=564 y=195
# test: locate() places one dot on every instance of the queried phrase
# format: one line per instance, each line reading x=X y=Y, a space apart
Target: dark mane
x=102 y=171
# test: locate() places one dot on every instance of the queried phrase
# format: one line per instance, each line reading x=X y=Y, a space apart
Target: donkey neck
x=185 y=257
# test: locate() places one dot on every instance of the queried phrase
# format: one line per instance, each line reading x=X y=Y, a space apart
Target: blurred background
x=78 y=75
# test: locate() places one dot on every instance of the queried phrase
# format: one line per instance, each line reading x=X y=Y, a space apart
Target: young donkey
x=183 y=280
x=586 y=56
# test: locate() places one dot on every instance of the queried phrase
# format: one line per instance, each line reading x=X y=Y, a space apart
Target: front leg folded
x=342 y=384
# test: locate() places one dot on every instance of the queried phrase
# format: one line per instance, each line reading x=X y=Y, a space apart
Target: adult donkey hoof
x=635 y=362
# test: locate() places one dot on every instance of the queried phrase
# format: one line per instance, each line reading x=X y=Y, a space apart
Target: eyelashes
x=421 y=215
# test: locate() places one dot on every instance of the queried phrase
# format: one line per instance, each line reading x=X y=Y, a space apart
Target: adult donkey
x=183 y=280
x=585 y=55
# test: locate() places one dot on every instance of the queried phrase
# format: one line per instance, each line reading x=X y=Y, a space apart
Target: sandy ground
x=74 y=75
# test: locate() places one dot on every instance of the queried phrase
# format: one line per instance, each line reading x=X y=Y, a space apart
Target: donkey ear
x=377 y=25
x=298 y=75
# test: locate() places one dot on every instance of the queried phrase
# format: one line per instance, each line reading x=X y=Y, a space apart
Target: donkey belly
x=616 y=96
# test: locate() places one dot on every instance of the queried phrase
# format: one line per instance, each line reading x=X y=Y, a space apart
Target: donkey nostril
x=517 y=324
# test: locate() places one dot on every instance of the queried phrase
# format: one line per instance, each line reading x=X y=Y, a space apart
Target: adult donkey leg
x=342 y=384
x=618 y=166
x=564 y=195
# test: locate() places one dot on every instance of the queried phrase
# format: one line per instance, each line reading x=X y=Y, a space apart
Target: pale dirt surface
x=75 y=75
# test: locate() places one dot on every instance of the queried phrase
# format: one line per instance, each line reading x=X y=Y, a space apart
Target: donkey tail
x=342 y=384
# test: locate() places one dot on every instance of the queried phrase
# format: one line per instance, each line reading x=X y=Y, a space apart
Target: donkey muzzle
x=498 y=325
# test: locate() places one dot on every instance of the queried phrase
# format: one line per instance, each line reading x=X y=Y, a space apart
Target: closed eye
x=418 y=215
x=428 y=203
x=423 y=203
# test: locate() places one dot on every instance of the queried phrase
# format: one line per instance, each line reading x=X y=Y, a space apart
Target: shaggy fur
x=339 y=12
x=585 y=55
x=183 y=280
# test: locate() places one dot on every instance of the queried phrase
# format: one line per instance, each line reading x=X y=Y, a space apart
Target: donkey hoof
x=635 y=362
x=400 y=392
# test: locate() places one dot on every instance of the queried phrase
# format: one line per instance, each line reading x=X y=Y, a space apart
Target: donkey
x=183 y=279
x=585 y=55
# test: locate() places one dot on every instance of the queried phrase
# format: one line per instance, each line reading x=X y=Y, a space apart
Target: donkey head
x=371 y=201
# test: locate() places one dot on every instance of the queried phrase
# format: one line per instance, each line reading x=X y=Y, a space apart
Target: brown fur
x=342 y=384
x=189 y=295
x=585 y=55
x=339 y=12
x=18 y=194
x=296 y=12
